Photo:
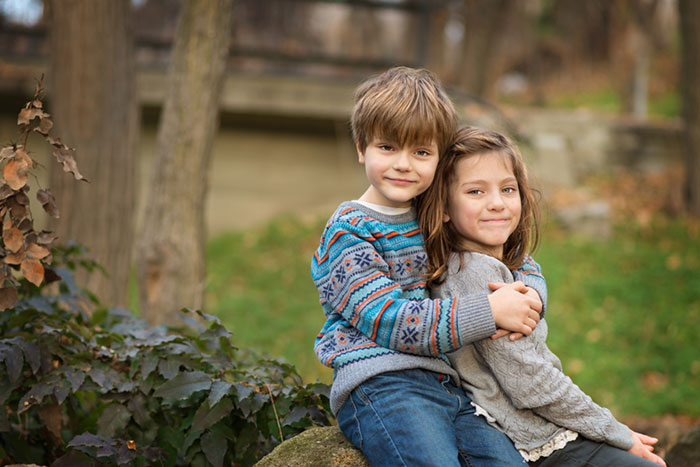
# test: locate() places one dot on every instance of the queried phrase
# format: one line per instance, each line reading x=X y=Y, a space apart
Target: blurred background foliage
x=624 y=303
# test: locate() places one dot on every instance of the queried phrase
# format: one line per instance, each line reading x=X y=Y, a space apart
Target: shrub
x=108 y=387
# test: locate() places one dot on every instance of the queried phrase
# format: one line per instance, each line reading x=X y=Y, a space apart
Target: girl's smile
x=484 y=202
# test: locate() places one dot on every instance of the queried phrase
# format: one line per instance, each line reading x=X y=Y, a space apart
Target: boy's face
x=397 y=174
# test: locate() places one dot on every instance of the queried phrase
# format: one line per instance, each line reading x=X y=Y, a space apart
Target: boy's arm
x=354 y=281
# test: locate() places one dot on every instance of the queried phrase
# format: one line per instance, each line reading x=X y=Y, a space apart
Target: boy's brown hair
x=441 y=239
x=404 y=105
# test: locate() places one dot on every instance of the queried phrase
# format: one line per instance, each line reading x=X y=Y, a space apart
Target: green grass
x=624 y=314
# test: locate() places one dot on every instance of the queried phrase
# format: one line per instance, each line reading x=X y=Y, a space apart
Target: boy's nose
x=402 y=161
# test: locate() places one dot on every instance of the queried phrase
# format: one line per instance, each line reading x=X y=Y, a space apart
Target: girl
x=479 y=221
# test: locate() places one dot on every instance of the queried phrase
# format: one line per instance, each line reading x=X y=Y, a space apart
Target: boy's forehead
x=417 y=140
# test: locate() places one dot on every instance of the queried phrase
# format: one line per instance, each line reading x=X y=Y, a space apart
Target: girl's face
x=484 y=202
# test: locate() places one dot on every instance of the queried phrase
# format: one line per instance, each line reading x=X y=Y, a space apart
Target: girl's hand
x=514 y=308
x=643 y=447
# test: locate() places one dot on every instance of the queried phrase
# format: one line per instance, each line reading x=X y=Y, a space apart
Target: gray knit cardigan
x=521 y=383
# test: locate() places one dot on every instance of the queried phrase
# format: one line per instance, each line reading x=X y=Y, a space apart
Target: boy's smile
x=397 y=174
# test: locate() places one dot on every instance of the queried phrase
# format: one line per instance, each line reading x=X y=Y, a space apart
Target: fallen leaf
x=32 y=270
x=131 y=445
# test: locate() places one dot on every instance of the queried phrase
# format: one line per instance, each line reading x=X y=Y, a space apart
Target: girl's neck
x=495 y=251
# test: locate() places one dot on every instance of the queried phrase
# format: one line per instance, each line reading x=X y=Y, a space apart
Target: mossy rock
x=685 y=453
x=315 y=447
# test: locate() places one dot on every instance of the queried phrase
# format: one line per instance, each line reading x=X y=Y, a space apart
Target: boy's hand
x=513 y=336
x=515 y=308
x=643 y=447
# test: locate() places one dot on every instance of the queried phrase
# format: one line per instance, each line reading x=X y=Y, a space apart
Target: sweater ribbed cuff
x=474 y=318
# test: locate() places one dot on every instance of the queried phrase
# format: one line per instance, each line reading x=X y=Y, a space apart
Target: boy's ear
x=360 y=155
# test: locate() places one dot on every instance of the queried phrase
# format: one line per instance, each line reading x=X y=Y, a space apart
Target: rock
x=685 y=453
x=315 y=447
x=592 y=219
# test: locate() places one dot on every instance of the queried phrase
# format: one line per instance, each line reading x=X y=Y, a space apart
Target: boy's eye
x=385 y=147
x=422 y=152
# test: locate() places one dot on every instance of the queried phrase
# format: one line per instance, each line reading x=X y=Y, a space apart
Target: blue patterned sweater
x=369 y=270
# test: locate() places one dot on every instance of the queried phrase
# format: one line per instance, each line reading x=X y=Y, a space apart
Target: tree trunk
x=486 y=23
x=171 y=263
x=689 y=11
x=95 y=107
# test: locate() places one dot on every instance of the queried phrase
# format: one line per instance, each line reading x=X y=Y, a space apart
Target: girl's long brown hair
x=440 y=237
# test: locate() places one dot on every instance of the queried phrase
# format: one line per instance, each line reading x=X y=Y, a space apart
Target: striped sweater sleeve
x=355 y=285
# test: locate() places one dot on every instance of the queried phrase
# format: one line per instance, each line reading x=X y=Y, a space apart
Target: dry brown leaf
x=48 y=202
x=69 y=164
x=46 y=237
x=7 y=153
x=32 y=270
x=13 y=239
x=52 y=416
x=26 y=115
x=16 y=173
x=8 y=297
x=37 y=252
x=15 y=258
x=45 y=124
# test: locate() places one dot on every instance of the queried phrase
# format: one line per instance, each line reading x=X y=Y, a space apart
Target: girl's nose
x=496 y=202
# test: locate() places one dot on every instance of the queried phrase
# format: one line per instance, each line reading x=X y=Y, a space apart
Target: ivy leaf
x=148 y=364
x=75 y=378
x=183 y=385
x=206 y=416
x=113 y=420
x=13 y=358
x=89 y=440
x=297 y=413
x=218 y=390
x=32 y=355
x=168 y=368
x=214 y=446
x=34 y=396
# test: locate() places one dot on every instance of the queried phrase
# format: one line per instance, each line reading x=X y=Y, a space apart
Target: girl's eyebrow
x=480 y=181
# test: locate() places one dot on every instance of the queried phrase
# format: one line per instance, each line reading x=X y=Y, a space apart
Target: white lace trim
x=482 y=411
x=557 y=442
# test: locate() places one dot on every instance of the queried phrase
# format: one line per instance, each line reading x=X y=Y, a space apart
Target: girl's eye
x=422 y=152
x=474 y=192
x=510 y=189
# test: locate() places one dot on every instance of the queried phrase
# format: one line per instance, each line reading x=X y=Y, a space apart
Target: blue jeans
x=421 y=418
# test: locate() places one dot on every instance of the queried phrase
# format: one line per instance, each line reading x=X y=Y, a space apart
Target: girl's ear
x=360 y=155
x=445 y=218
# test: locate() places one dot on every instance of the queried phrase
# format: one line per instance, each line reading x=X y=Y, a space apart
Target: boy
x=394 y=391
